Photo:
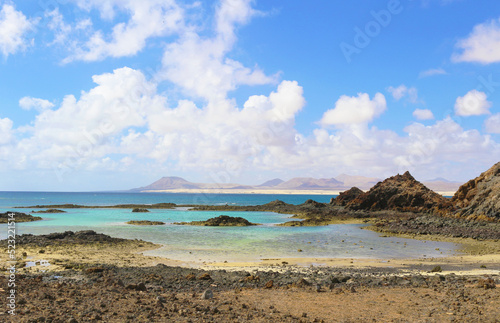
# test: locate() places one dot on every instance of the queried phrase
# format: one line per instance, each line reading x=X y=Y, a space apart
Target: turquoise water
x=191 y=243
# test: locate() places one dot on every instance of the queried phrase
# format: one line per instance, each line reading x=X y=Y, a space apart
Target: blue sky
x=108 y=94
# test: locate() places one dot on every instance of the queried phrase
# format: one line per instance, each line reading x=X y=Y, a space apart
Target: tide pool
x=194 y=243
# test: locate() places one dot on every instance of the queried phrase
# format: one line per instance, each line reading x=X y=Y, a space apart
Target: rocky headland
x=479 y=198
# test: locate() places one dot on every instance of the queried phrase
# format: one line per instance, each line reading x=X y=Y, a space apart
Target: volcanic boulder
x=398 y=193
x=479 y=198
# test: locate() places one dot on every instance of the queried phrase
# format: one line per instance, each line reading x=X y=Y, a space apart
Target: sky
x=115 y=94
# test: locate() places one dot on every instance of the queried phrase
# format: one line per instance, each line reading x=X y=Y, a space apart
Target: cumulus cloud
x=423 y=114
x=148 y=19
x=474 y=103
x=482 y=45
x=355 y=110
x=432 y=72
x=199 y=65
x=401 y=91
x=5 y=131
x=492 y=124
x=28 y=103
x=13 y=28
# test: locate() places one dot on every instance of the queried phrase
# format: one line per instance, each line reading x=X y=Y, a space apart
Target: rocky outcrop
x=221 y=221
x=479 y=198
x=140 y=210
x=398 y=193
x=145 y=222
x=57 y=238
x=345 y=197
x=17 y=217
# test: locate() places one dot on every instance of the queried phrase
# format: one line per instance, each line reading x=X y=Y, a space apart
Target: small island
x=17 y=217
x=221 y=221
x=49 y=211
x=140 y=210
x=145 y=222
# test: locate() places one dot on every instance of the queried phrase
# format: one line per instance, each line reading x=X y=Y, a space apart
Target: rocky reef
x=145 y=222
x=401 y=193
x=479 y=198
x=140 y=210
x=221 y=221
x=17 y=217
x=49 y=211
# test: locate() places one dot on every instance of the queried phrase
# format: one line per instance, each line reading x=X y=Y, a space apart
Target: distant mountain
x=442 y=185
x=361 y=182
x=309 y=183
x=342 y=182
x=271 y=183
x=169 y=183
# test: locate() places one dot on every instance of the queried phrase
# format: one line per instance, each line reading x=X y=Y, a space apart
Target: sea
x=214 y=244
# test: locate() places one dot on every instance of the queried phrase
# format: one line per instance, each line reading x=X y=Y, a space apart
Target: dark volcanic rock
x=345 y=197
x=398 y=193
x=479 y=198
x=17 y=217
x=145 y=222
x=221 y=221
x=137 y=209
x=56 y=238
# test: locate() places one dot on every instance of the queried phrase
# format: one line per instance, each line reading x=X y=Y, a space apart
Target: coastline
x=263 y=191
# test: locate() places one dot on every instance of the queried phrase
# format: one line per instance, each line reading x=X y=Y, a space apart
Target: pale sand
x=263 y=191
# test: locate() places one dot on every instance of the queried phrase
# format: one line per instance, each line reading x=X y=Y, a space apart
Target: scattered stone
x=269 y=284
x=207 y=294
x=436 y=269
x=205 y=276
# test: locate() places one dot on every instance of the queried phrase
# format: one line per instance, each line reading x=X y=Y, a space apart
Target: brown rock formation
x=398 y=193
x=345 y=197
x=479 y=198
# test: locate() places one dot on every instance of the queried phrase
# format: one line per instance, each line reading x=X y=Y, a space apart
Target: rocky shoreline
x=96 y=280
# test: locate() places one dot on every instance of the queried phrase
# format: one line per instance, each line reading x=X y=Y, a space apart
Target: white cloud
x=5 y=131
x=354 y=110
x=474 y=103
x=28 y=103
x=199 y=66
x=423 y=114
x=148 y=19
x=492 y=124
x=482 y=45
x=401 y=91
x=13 y=28
x=432 y=72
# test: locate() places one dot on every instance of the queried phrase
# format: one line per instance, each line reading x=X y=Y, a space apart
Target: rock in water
x=398 y=193
x=479 y=198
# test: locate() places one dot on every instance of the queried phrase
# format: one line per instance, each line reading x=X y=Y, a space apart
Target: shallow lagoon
x=193 y=243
